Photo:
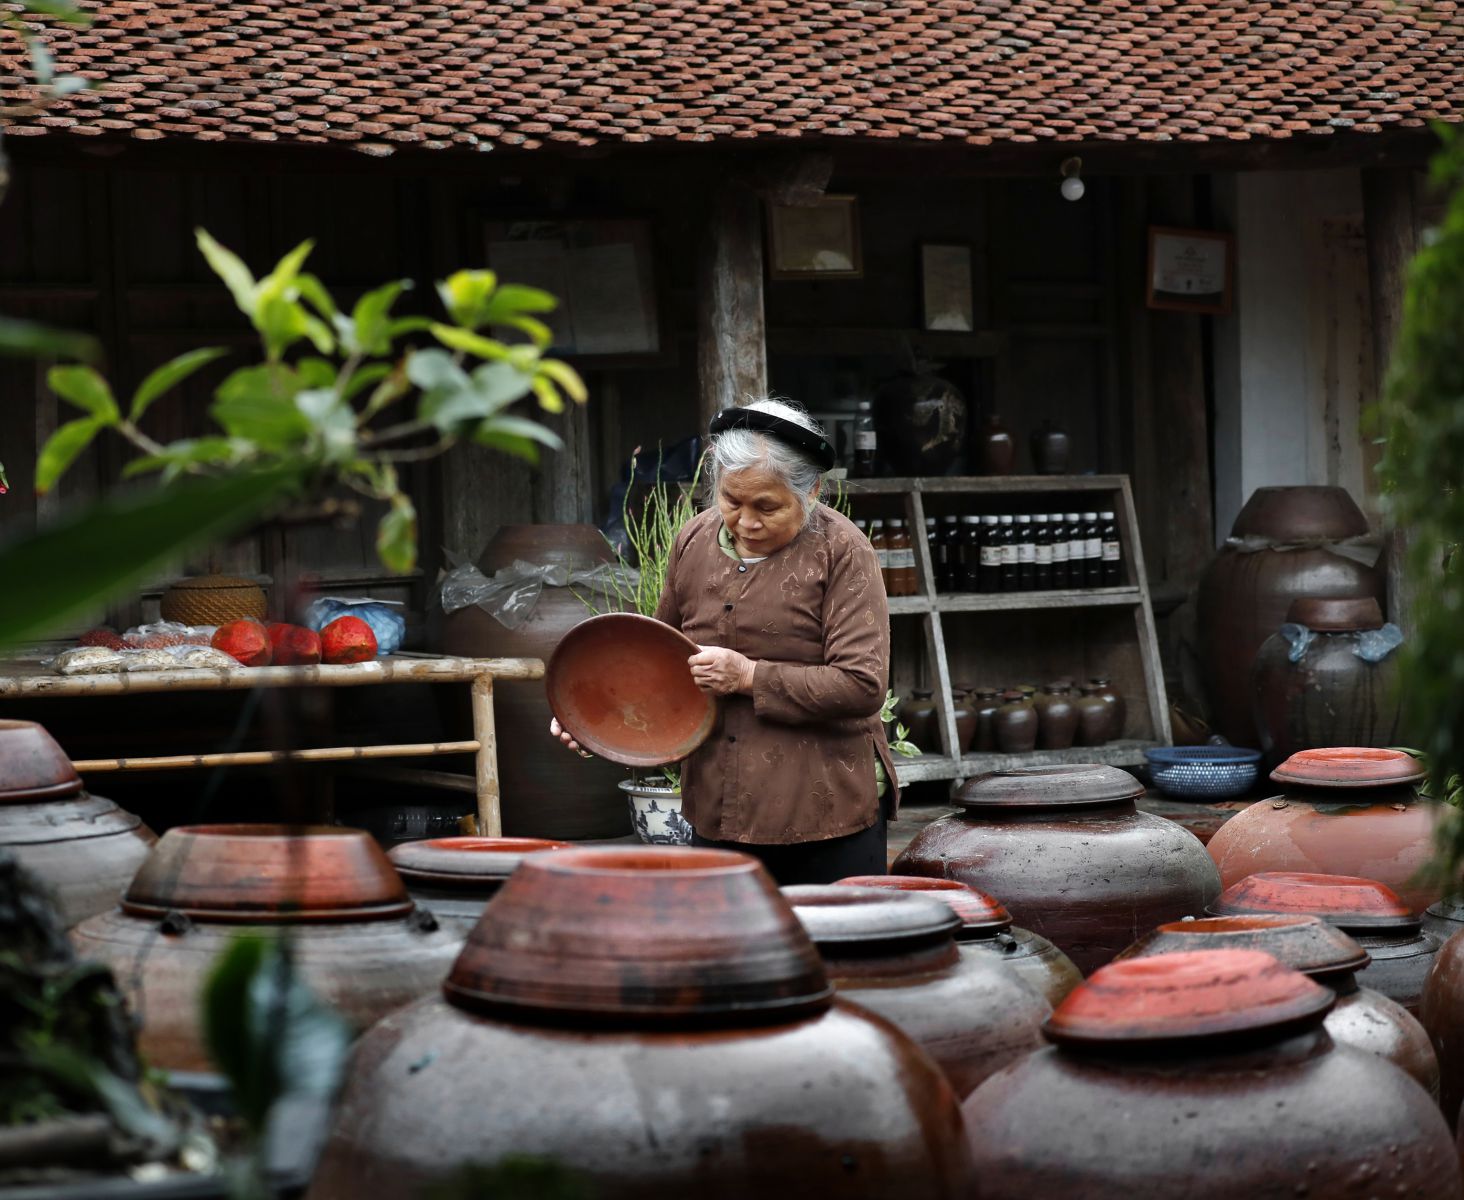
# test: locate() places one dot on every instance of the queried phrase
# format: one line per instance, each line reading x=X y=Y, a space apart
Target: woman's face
x=761 y=512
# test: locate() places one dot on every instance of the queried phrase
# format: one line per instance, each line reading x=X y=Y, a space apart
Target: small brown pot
x=996 y=451
x=1057 y=717
x=1442 y=1014
x=966 y=720
x=1095 y=718
x=453 y=878
x=1052 y=450
x=917 y=712
x=1015 y=724
x=1118 y=721
x=985 y=701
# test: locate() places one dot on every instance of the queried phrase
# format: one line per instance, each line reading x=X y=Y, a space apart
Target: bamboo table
x=30 y=680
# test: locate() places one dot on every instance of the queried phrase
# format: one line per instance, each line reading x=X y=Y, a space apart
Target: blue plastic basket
x=1203 y=772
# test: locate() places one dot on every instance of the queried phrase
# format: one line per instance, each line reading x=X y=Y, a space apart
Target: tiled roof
x=528 y=73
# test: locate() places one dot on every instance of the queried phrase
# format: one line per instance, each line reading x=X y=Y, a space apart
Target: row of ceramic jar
x=1020 y=719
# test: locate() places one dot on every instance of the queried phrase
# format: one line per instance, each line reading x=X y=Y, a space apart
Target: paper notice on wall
x=609 y=305
x=542 y=264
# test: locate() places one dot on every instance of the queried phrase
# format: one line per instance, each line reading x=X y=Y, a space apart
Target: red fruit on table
x=102 y=637
x=347 y=640
x=293 y=645
x=246 y=640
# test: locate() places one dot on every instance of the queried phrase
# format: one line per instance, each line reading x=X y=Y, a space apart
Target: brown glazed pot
x=996 y=452
x=1244 y=594
x=1207 y=1075
x=453 y=878
x=964 y=712
x=547 y=791
x=987 y=932
x=82 y=849
x=1015 y=724
x=1361 y=1018
x=358 y=942
x=1381 y=923
x=1095 y=717
x=1330 y=696
x=895 y=954
x=1344 y=811
x=1118 y=706
x=1052 y=449
x=985 y=701
x=917 y=712
x=1069 y=855
x=1442 y=1014
x=1057 y=717
x=657 y=1023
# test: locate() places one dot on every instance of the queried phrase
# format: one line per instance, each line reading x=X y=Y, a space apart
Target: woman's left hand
x=721 y=671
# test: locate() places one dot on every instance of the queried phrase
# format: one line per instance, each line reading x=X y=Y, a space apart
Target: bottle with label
x=866 y=442
x=970 y=546
x=1058 y=535
x=932 y=546
x=1042 y=539
x=989 y=576
x=1009 y=554
x=881 y=545
x=1112 y=552
x=1092 y=551
x=948 y=565
x=1026 y=554
x=1077 y=547
x=901 y=581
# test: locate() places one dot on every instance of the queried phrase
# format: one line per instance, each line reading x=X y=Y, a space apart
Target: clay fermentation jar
x=985 y=702
x=358 y=941
x=1343 y=811
x=1207 y=1075
x=1361 y=1018
x=656 y=1022
x=1330 y=696
x=1069 y=855
x=987 y=932
x=1117 y=706
x=1382 y=924
x=453 y=878
x=918 y=714
x=1052 y=450
x=1057 y=717
x=1444 y=918
x=1095 y=717
x=963 y=709
x=1015 y=724
x=547 y=792
x=81 y=848
x=895 y=954
x=1282 y=547
x=921 y=422
x=1442 y=1014
x=996 y=451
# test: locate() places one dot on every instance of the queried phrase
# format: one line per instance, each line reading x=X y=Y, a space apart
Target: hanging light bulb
x=1072 y=181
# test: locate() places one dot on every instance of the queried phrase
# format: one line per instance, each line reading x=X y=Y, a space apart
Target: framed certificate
x=945 y=288
x=1190 y=270
x=819 y=241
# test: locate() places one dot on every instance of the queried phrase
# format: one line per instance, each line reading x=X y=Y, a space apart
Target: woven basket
x=212 y=600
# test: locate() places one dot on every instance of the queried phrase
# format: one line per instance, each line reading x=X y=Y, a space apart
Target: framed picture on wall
x=602 y=271
x=1190 y=270
x=818 y=241
x=945 y=288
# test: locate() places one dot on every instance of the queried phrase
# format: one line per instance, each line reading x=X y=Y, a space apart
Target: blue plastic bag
x=385 y=620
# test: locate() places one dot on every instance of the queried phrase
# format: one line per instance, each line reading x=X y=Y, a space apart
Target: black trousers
x=827 y=861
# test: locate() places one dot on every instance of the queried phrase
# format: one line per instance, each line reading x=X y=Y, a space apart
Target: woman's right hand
x=558 y=731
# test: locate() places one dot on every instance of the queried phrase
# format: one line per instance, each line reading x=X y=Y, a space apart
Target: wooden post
x=1390 y=224
x=490 y=815
x=732 y=360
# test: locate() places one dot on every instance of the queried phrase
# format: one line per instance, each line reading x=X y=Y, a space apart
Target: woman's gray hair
x=743 y=449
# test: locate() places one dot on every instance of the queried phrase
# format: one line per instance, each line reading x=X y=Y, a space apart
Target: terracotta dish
x=621 y=687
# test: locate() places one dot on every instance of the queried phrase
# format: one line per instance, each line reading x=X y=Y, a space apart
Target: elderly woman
x=784 y=597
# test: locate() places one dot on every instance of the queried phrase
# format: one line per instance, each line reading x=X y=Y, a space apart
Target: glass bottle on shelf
x=1077 y=548
x=932 y=546
x=1026 y=554
x=989 y=574
x=1008 y=554
x=948 y=571
x=880 y=542
x=1042 y=541
x=901 y=580
x=1061 y=551
x=969 y=555
x=1092 y=551
x=1112 y=552
x=866 y=441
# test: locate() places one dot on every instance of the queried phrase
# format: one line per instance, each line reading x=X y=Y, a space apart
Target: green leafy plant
x=900 y=744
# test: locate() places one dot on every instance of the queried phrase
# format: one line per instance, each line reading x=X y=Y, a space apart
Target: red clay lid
x=1068 y=786
x=634 y=932
x=1332 y=615
x=841 y=917
x=1349 y=767
x=465 y=863
x=981 y=915
x=267 y=874
x=32 y=766
x=1346 y=901
x=1192 y=994
x=1305 y=944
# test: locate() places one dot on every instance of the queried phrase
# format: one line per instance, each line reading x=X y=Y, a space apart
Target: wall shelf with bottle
x=1046 y=589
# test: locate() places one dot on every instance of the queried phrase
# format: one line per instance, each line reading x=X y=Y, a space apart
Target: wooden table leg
x=490 y=816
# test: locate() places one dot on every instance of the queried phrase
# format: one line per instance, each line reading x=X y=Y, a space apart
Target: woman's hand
x=557 y=730
x=721 y=671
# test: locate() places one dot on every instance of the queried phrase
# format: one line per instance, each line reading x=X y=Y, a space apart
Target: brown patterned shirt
x=793 y=762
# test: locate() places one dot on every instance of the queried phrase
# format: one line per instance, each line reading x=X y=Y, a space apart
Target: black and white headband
x=790 y=433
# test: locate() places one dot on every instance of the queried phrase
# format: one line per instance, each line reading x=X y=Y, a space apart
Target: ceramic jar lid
x=982 y=916
x=839 y=917
x=1334 y=615
x=267 y=874
x=1069 y=786
x=626 y=933
x=1350 y=767
x=1191 y=994
x=1349 y=902
x=465 y=863
x=32 y=766
x=1303 y=943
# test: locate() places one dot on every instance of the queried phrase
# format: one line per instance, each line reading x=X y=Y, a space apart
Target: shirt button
x=731 y=737
x=728 y=607
x=742 y=567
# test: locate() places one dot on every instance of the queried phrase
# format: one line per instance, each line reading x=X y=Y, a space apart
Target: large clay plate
x=621 y=687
